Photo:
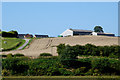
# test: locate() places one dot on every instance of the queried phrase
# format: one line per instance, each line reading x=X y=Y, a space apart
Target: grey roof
x=80 y=30
x=41 y=35
x=103 y=33
x=21 y=34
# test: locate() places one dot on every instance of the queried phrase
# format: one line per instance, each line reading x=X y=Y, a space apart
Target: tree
x=67 y=55
x=98 y=29
x=9 y=34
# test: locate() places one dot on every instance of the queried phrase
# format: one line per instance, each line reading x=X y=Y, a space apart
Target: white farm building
x=73 y=32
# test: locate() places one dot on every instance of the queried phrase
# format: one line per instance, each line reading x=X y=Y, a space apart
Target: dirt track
x=46 y=44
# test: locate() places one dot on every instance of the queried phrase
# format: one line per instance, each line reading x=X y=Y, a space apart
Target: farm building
x=74 y=32
x=25 y=36
x=21 y=36
x=28 y=36
x=102 y=34
x=41 y=36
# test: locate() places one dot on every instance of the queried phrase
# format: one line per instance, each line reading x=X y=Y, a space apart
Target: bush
x=9 y=34
x=89 y=50
x=9 y=55
x=45 y=54
x=5 y=72
x=18 y=55
x=102 y=64
x=80 y=71
x=65 y=72
x=15 y=65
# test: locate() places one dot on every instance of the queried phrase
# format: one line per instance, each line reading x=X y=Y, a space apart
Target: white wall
x=67 y=33
x=94 y=33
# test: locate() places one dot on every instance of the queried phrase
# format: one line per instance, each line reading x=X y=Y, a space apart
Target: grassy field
x=11 y=43
x=61 y=78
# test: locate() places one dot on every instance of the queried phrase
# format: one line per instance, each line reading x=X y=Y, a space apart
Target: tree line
x=72 y=52
x=9 y=33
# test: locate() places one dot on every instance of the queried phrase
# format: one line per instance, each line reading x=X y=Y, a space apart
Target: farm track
x=45 y=45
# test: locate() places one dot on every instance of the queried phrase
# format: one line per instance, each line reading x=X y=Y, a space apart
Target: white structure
x=73 y=32
x=102 y=34
x=94 y=33
x=68 y=32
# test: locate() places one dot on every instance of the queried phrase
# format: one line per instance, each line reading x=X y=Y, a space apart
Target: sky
x=53 y=18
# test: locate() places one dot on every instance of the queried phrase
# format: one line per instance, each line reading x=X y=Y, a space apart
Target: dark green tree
x=67 y=55
x=9 y=34
x=98 y=29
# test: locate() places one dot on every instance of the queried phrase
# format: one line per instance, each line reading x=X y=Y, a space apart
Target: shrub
x=102 y=64
x=18 y=55
x=60 y=48
x=45 y=54
x=68 y=56
x=5 y=72
x=9 y=55
x=65 y=72
x=80 y=71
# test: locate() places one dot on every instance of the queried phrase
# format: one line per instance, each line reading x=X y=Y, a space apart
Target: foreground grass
x=61 y=78
x=12 y=43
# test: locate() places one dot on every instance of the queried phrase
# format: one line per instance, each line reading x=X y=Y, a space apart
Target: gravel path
x=26 y=42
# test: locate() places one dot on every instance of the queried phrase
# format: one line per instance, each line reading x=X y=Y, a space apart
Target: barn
x=25 y=36
x=28 y=36
x=102 y=34
x=21 y=36
x=41 y=36
x=74 y=32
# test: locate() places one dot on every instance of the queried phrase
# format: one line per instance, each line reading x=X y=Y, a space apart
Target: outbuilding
x=21 y=36
x=74 y=32
x=28 y=36
x=102 y=34
x=41 y=36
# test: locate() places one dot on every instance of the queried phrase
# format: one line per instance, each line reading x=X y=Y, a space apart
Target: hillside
x=11 y=43
x=47 y=45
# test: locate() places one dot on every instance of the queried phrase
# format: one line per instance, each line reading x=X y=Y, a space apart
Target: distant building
x=21 y=36
x=41 y=36
x=28 y=36
x=25 y=36
x=74 y=32
x=102 y=34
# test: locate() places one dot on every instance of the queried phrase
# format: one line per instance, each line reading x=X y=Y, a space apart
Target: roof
x=41 y=35
x=80 y=30
x=21 y=34
x=103 y=33
x=28 y=35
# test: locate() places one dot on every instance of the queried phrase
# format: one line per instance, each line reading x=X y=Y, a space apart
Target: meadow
x=11 y=43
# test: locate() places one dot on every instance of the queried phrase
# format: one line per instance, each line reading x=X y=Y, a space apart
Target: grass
x=61 y=77
x=11 y=43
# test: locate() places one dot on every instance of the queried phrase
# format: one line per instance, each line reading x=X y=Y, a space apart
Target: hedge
x=52 y=67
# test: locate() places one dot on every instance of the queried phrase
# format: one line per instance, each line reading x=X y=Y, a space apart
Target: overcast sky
x=53 y=18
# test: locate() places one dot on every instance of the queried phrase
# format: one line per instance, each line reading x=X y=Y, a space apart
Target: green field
x=11 y=43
